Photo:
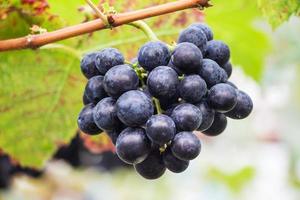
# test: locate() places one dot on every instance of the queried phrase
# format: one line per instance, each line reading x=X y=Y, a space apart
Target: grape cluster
x=151 y=106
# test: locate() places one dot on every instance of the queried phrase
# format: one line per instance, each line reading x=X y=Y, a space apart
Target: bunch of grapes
x=151 y=106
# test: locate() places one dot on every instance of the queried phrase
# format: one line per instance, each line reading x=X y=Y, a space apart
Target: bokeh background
x=43 y=156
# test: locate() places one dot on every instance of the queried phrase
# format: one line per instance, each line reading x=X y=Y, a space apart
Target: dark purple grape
x=195 y=36
x=173 y=163
x=134 y=108
x=87 y=65
x=86 y=121
x=160 y=129
x=132 y=145
x=222 y=97
x=152 y=167
x=243 y=107
x=105 y=114
x=186 y=146
x=187 y=117
x=94 y=90
x=162 y=82
x=108 y=58
x=119 y=80
x=192 y=88
x=206 y=29
x=218 y=126
x=212 y=73
x=207 y=115
x=187 y=58
x=217 y=51
x=228 y=68
x=153 y=54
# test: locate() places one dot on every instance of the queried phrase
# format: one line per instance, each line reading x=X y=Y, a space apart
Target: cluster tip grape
x=151 y=107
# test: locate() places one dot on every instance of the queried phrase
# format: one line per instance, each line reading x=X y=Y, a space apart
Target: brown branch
x=35 y=41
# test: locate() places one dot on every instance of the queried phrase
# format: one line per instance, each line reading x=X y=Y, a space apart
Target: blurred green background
x=41 y=94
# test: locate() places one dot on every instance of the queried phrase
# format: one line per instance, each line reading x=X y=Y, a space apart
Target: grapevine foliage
x=278 y=11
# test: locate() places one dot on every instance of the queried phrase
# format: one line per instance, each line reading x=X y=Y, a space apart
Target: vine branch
x=35 y=41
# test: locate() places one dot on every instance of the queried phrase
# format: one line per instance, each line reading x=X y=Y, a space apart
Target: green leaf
x=278 y=11
x=235 y=181
x=40 y=97
x=233 y=22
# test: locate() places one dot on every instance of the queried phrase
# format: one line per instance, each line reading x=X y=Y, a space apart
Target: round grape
x=212 y=73
x=153 y=54
x=243 y=107
x=195 y=36
x=152 y=167
x=222 y=97
x=207 y=115
x=217 y=51
x=186 y=146
x=162 y=82
x=187 y=58
x=192 y=88
x=105 y=114
x=86 y=122
x=120 y=79
x=94 y=89
x=87 y=65
x=108 y=58
x=228 y=68
x=134 y=108
x=206 y=29
x=218 y=126
x=187 y=117
x=132 y=145
x=174 y=164
x=160 y=129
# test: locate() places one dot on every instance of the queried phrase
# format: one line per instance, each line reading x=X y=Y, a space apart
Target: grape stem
x=148 y=32
x=145 y=28
x=157 y=105
x=138 y=70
